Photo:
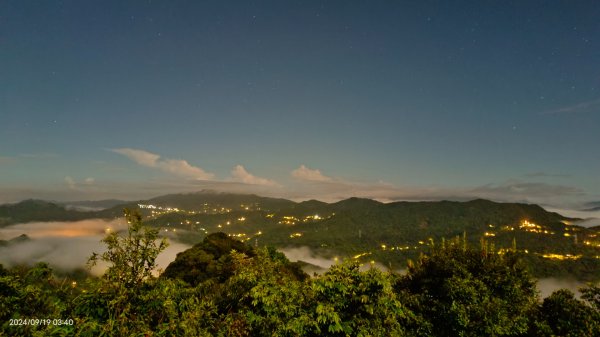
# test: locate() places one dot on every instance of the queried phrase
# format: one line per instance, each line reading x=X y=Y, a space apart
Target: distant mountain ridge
x=592 y=206
x=92 y=204
x=40 y=210
x=356 y=227
x=16 y=240
x=198 y=199
x=36 y=210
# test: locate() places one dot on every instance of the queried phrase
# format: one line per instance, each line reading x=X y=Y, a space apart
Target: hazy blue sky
x=325 y=99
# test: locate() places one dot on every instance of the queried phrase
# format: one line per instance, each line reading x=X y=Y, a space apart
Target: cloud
x=183 y=168
x=305 y=173
x=306 y=183
x=67 y=245
x=525 y=191
x=580 y=107
x=547 y=286
x=239 y=174
x=337 y=189
x=70 y=183
x=590 y=218
x=510 y=191
x=139 y=156
x=175 y=166
x=307 y=255
x=320 y=264
x=73 y=185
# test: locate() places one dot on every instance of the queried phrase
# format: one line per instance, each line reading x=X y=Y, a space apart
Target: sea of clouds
x=589 y=218
x=68 y=245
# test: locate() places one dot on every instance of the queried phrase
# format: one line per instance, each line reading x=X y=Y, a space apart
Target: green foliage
x=463 y=291
x=561 y=314
x=207 y=260
x=128 y=300
x=267 y=297
x=32 y=293
x=591 y=294
x=351 y=302
x=37 y=210
x=132 y=258
x=160 y=307
x=222 y=287
x=398 y=224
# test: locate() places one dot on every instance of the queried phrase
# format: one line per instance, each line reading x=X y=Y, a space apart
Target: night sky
x=393 y=100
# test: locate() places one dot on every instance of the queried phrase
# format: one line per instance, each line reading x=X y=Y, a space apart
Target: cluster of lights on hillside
x=553 y=256
x=524 y=225
x=534 y=228
x=156 y=211
x=288 y=220
x=292 y=220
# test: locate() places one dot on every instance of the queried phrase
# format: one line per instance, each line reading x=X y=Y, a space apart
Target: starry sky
x=393 y=100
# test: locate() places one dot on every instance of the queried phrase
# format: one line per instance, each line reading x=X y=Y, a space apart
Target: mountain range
x=365 y=229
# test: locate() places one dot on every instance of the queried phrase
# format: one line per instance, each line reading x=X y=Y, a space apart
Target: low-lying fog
x=589 y=218
x=545 y=286
x=67 y=246
x=548 y=285
x=322 y=263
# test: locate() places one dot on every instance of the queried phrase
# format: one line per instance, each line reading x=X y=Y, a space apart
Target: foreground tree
x=209 y=259
x=113 y=304
x=29 y=294
x=350 y=302
x=265 y=297
x=462 y=291
x=132 y=258
x=225 y=288
x=561 y=314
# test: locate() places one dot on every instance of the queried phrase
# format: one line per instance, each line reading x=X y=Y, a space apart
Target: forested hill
x=37 y=210
x=208 y=203
x=366 y=229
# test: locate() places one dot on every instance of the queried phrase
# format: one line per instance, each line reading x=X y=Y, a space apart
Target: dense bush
x=461 y=291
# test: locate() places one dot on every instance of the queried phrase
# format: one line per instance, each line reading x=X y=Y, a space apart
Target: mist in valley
x=588 y=218
x=67 y=246
x=547 y=286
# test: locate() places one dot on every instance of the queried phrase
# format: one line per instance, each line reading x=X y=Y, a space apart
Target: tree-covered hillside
x=221 y=287
x=37 y=210
x=389 y=233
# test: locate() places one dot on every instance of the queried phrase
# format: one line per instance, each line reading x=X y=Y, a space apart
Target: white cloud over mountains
x=303 y=183
x=184 y=169
x=532 y=192
x=510 y=191
x=239 y=174
x=70 y=182
x=73 y=185
x=175 y=166
x=305 y=173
